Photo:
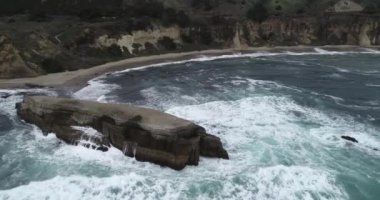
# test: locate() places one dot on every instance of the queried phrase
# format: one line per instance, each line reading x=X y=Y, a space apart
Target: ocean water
x=279 y=115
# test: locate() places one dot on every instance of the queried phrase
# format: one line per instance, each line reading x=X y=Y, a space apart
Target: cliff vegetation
x=48 y=36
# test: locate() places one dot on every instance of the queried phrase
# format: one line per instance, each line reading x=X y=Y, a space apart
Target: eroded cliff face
x=141 y=40
x=330 y=30
x=35 y=48
x=11 y=63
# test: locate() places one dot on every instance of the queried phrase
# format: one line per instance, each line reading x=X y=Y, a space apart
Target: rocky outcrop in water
x=351 y=139
x=146 y=134
x=354 y=140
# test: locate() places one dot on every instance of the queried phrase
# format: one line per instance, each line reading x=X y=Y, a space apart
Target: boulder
x=146 y=134
x=351 y=139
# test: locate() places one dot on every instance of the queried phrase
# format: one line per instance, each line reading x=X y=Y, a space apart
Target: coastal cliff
x=145 y=134
x=85 y=33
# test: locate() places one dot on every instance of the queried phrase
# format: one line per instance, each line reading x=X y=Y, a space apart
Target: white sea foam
x=277 y=150
x=266 y=183
x=325 y=52
x=168 y=96
x=336 y=99
x=374 y=51
x=38 y=142
x=31 y=91
x=131 y=186
x=89 y=131
x=69 y=153
x=372 y=85
x=261 y=133
x=16 y=95
x=264 y=117
x=97 y=90
x=335 y=76
x=281 y=182
x=317 y=51
x=165 y=97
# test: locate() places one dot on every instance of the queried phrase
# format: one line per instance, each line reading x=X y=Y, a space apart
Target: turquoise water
x=279 y=115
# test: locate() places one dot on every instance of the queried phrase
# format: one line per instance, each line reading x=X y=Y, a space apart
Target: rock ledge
x=146 y=134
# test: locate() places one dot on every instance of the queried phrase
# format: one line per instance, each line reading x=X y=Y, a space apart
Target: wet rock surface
x=351 y=139
x=146 y=134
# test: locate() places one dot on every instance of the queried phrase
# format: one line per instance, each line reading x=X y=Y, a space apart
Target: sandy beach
x=78 y=79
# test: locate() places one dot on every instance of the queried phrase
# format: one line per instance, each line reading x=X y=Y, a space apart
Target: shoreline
x=75 y=80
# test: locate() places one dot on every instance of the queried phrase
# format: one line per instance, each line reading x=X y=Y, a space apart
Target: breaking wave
x=98 y=89
x=282 y=134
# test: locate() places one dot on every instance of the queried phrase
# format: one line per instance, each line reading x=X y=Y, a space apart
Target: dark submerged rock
x=351 y=139
x=4 y=95
x=5 y=124
x=146 y=134
x=33 y=86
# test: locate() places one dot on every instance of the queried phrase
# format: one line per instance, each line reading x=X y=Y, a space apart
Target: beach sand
x=78 y=79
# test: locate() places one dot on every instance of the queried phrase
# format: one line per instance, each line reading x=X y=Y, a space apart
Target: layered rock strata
x=146 y=134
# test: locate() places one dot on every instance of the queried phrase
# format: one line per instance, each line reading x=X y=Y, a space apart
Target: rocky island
x=146 y=134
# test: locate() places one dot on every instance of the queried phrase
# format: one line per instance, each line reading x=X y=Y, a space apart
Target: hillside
x=39 y=37
x=197 y=8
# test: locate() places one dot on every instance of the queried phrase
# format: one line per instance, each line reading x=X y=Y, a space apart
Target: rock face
x=11 y=63
x=38 y=37
x=66 y=44
x=146 y=134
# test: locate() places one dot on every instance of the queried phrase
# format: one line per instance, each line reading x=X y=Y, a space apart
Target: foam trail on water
x=317 y=51
x=199 y=59
x=242 y=177
x=372 y=85
x=279 y=149
x=321 y=51
x=15 y=95
x=280 y=118
x=374 y=51
x=204 y=59
x=277 y=182
x=96 y=90
x=303 y=181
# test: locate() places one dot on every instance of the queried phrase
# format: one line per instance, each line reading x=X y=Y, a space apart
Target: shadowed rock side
x=146 y=134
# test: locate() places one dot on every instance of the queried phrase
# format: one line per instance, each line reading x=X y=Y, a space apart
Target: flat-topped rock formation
x=146 y=134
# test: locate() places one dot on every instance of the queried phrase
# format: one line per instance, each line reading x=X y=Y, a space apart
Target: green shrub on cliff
x=258 y=12
x=52 y=65
x=149 y=8
x=37 y=15
x=204 y=4
x=167 y=43
x=170 y=16
x=371 y=9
